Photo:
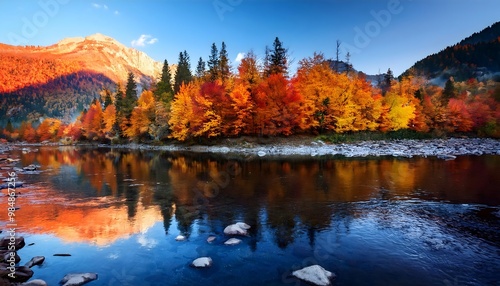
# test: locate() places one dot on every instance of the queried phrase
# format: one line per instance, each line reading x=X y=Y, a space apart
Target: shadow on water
x=382 y=220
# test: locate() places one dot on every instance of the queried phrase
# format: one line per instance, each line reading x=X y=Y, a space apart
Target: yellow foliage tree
x=182 y=111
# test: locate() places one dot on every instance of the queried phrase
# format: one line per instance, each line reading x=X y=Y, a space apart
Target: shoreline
x=312 y=148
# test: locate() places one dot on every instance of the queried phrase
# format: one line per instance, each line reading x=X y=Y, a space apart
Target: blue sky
x=379 y=34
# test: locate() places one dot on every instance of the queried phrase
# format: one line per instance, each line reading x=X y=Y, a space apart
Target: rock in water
x=261 y=153
x=202 y=262
x=315 y=274
x=21 y=273
x=211 y=239
x=446 y=157
x=37 y=260
x=77 y=279
x=232 y=241
x=35 y=282
x=180 y=238
x=239 y=228
x=18 y=244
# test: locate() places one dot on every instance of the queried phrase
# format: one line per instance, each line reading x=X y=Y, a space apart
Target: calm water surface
x=372 y=221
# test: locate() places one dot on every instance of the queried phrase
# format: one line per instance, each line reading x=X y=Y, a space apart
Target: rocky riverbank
x=443 y=148
x=310 y=147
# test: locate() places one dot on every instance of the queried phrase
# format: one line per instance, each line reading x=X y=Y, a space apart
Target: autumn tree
x=142 y=116
x=183 y=74
x=92 y=121
x=399 y=101
x=27 y=132
x=182 y=112
x=277 y=106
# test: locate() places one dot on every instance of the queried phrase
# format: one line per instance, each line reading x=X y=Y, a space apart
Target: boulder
x=446 y=157
x=37 y=260
x=232 y=241
x=77 y=279
x=239 y=228
x=18 y=242
x=315 y=274
x=6 y=256
x=202 y=262
x=180 y=238
x=21 y=273
x=211 y=239
x=35 y=282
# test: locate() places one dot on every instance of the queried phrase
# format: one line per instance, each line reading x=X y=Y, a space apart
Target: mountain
x=62 y=79
x=477 y=56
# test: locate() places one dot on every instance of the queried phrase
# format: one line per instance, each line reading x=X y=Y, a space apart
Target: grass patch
x=375 y=136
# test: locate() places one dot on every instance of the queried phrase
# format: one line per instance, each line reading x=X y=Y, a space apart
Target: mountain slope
x=62 y=79
x=475 y=56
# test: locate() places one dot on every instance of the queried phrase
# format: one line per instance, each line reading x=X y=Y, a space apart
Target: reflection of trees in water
x=286 y=196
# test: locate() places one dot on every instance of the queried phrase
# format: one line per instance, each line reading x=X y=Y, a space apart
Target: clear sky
x=379 y=34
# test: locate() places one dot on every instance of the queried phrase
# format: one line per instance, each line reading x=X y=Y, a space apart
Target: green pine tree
x=107 y=98
x=164 y=90
x=9 y=127
x=449 y=90
x=130 y=100
x=183 y=74
x=277 y=59
x=224 y=67
x=200 y=69
x=213 y=63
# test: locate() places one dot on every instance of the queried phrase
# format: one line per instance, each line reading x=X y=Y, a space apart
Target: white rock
x=239 y=228
x=202 y=262
x=211 y=239
x=314 y=274
x=232 y=241
x=35 y=282
x=77 y=279
x=180 y=238
x=261 y=153
x=446 y=157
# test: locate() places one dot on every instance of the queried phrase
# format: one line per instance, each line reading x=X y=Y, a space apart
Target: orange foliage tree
x=277 y=106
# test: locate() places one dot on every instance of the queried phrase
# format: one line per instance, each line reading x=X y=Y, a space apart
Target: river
x=371 y=221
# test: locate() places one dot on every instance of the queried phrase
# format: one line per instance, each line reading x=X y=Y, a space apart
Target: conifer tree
x=224 y=67
x=213 y=63
x=183 y=74
x=277 y=59
x=164 y=90
x=200 y=69
x=130 y=100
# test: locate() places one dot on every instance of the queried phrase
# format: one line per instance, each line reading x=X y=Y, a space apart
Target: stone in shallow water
x=446 y=157
x=77 y=279
x=232 y=241
x=180 y=238
x=239 y=228
x=315 y=274
x=211 y=239
x=202 y=262
x=261 y=153
x=35 y=282
x=37 y=260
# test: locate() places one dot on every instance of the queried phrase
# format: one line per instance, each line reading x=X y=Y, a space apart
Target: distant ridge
x=61 y=79
x=477 y=56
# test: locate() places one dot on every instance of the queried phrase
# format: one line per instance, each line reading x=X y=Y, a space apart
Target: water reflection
x=383 y=220
x=101 y=195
